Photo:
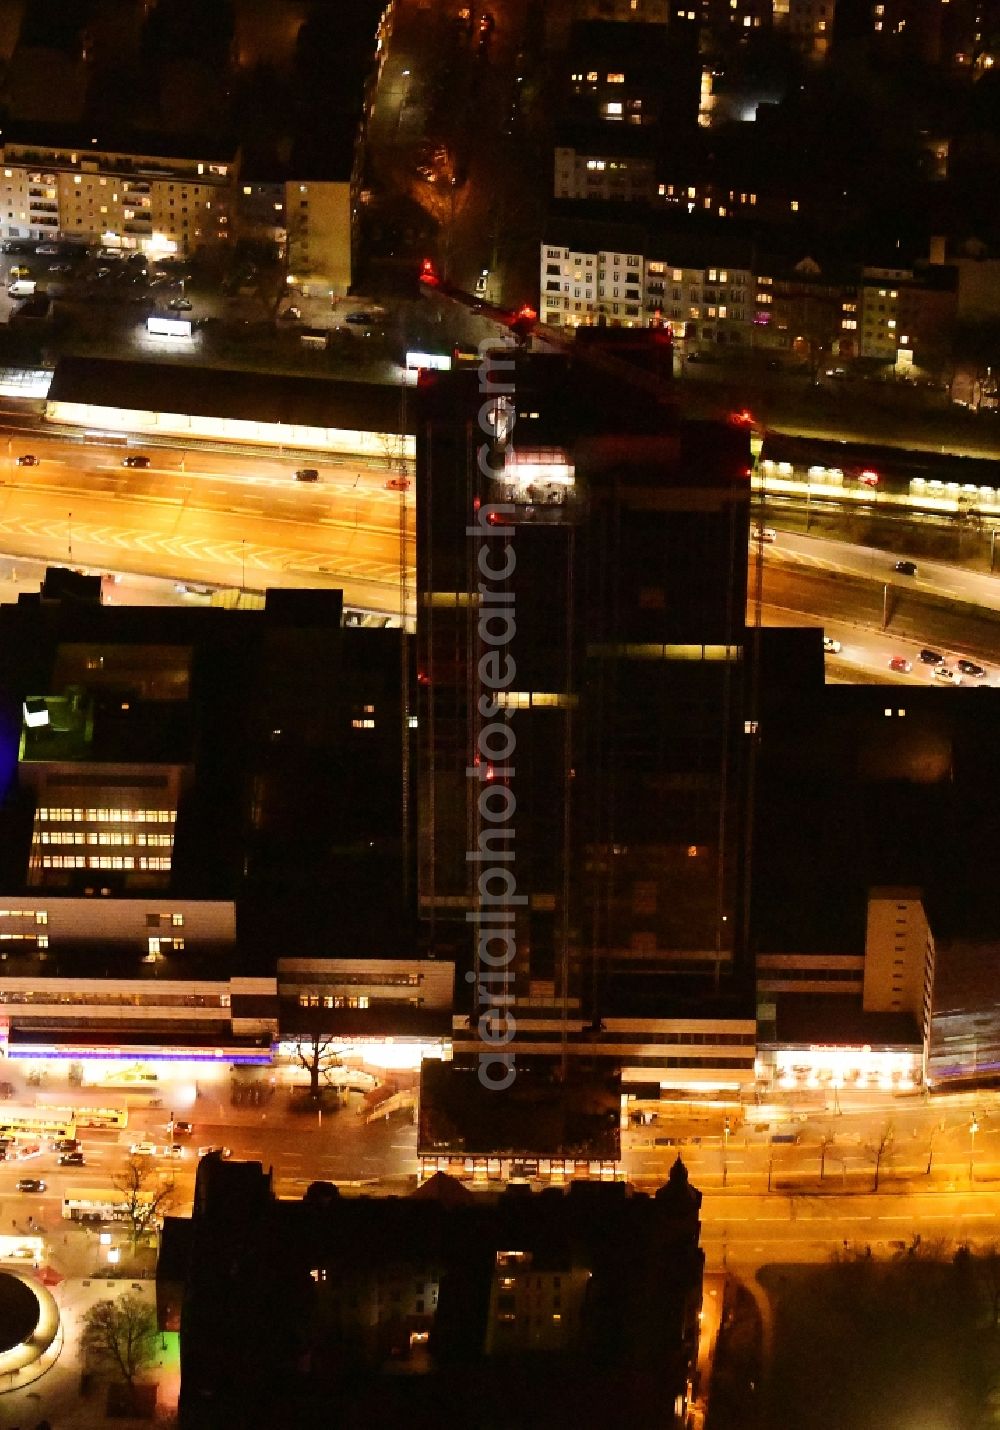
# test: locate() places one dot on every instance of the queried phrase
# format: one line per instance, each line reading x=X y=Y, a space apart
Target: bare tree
x=144 y=1197
x=122 y=1333
x=316 y=1052
x=825 y=1143
x=879 y=1150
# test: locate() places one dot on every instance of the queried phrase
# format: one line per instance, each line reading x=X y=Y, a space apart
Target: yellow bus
x=56 y=1122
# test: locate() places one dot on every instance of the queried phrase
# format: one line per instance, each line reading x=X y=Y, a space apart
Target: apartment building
x=808 y=24
x=629 y=276
x=598 y=163
x=166 y=197
x=906 y=316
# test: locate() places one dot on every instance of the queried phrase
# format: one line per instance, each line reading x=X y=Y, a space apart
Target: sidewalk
x=73 y=1256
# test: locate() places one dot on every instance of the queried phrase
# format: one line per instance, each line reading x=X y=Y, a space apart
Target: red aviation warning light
x=522 y=322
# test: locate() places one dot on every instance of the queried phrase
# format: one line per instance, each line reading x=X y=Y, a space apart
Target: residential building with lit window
x=586 y=1299
x=645 y=12
x=631 y=275
x=907 y=316
x=636 y=75
x=595 y=163
x=167 y=196
x=809 y=24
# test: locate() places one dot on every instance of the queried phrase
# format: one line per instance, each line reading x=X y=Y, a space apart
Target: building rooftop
x=220 y=392
x=135 y=143
x=537 y=1114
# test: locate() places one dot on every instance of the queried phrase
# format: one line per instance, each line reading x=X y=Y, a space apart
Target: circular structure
x=31 y=1334
x=19 y=1311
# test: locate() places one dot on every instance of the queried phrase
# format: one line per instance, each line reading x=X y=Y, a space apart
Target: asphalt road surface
x=237 y=520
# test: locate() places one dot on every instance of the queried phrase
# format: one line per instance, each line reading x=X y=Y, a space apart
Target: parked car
x=72 y=1159
x=142 y=1149
x=136 y=461
x=831 y=646
x=27 y=460
x=31 y=1184
x=767 y=534
x=307 y=474
x=183 y=1129
x=66 y=1144
x=906 y=568
x=969 y=667
x=930 y=657
x=179 y=305
x=900 y=663
x=946 y=675
x=360 y=320
x=208 y=1151
x=398 y=484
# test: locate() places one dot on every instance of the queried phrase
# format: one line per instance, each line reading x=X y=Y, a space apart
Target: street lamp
x=725 y=1150
x=973 y=1129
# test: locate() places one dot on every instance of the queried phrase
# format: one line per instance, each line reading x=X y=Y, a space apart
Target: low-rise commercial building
x=168 y=400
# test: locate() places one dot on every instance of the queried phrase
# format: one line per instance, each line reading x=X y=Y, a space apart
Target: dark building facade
x=442 y=1308
x=622 y=532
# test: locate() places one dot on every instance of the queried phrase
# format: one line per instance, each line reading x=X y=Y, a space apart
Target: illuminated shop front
x=379 y=1054
x=887 y=1069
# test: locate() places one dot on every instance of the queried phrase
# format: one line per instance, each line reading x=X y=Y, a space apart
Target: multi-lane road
x=217 y=517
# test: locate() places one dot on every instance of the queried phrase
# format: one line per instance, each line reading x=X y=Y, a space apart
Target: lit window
x=616 y=79
x=614 y=108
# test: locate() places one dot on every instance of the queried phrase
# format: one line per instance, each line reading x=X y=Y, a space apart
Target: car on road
x=292 y=315
x=307 y=474
x=173 y=1150
x=27 y=460
x=179 y=305
x=906 y=568
x=142 y=1149
x=183 y=1129
x=398 y=484
x=767 y=534
x=136 y=461
x=60 y=267
x=47 y=248
x=72 y=1159
x=930 y=657
x=831 y=646
x=207 y=1151
x=969 y=667
x=66 y=1144
x=359 y=320
x=946 y=675
x=900 y=663
x=31 y=1184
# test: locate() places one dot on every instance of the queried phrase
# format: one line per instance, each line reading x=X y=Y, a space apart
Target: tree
x=144 y=1198
x=825 y=1143
x=879 y=1148
x=316 y=1053
x=121 y=1333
